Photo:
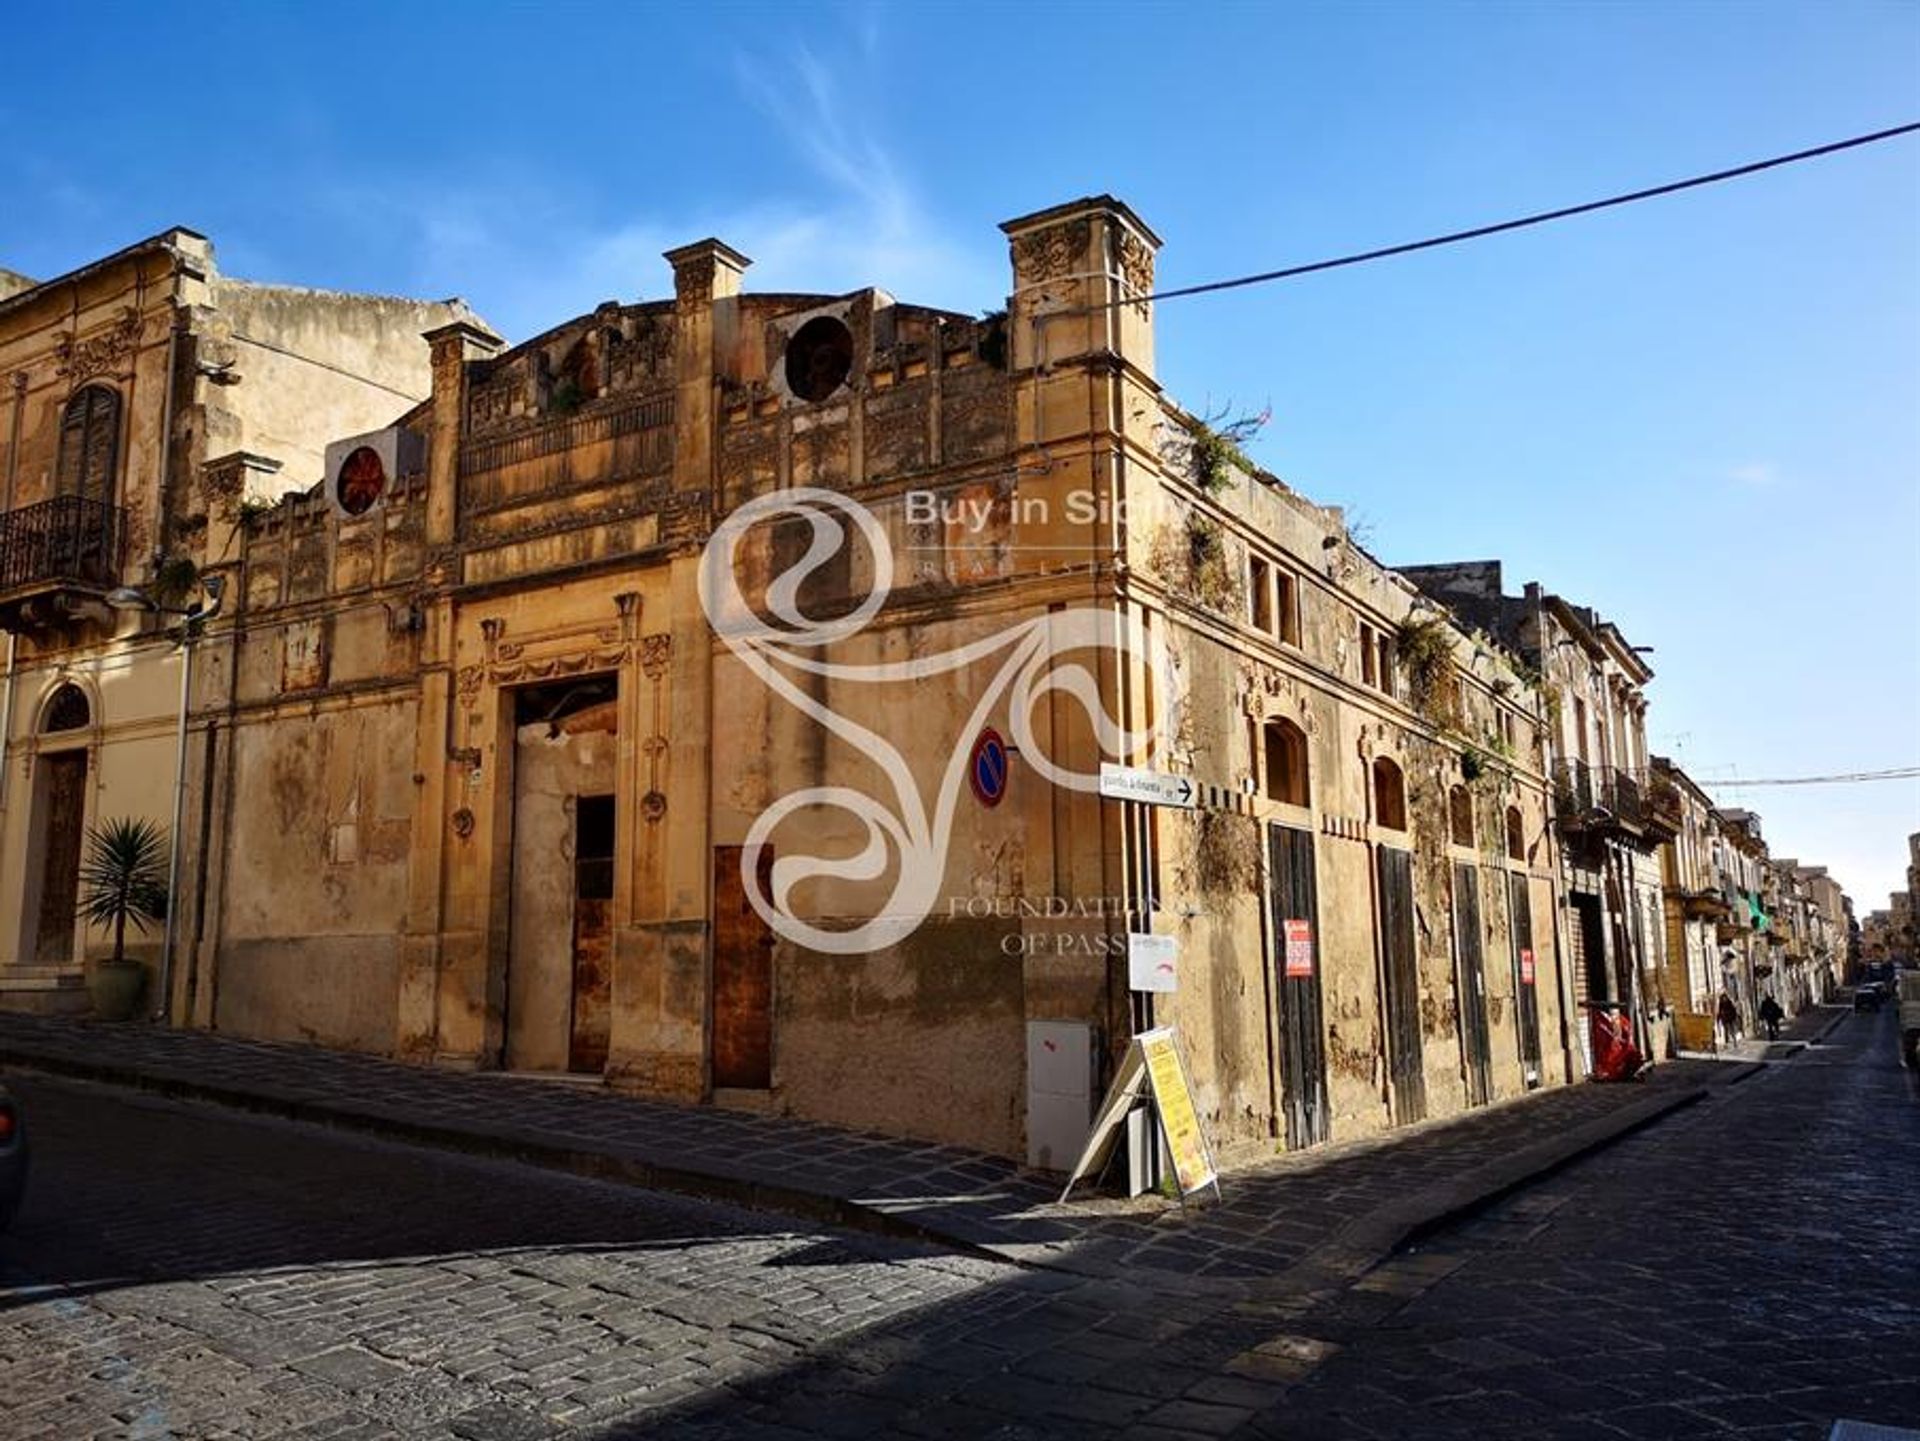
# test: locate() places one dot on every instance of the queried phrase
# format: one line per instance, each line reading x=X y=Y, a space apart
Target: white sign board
x=1150 y=962
x=1155 y=788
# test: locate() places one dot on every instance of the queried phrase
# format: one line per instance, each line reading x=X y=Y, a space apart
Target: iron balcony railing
x=69 y=540
x=1572 y=789
x=1595 y=797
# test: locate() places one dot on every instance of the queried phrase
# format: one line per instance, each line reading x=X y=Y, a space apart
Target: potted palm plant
x=122 y=880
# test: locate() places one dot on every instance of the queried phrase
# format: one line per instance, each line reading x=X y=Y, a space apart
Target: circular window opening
x=363 y=480
x=819 y=357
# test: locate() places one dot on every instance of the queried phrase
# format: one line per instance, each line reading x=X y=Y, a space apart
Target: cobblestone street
x=183 y=1270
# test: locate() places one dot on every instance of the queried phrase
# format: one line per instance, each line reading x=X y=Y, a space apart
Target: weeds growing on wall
x=1194 y=560
x=1423 y=645
x=1226 y=853
x=173 y=580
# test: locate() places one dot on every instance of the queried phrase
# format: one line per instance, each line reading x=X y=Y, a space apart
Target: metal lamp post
x=192 y=618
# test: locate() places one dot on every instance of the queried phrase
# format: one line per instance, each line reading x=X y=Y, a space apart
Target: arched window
x=66 y=711
x=1516 y=835
x=1460 y=816
x=1389 y=795
x=1286 y=758
x=89 y=444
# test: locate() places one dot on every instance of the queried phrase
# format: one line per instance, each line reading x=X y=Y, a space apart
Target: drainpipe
x=13 y=642
x=160 y=508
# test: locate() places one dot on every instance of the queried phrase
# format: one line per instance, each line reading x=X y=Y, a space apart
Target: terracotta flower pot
x=116 y=987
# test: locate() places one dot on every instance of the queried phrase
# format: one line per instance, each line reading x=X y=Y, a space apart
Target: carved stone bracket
x=656 y=651
x=1136 y=266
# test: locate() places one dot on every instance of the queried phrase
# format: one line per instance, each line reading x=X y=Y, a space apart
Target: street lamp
x=192 y=618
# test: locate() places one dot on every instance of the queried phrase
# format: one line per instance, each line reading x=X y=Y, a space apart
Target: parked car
x=13 y=1157
x=1867 y=996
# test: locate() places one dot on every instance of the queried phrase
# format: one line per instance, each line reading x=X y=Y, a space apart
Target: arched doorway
x=57 y=828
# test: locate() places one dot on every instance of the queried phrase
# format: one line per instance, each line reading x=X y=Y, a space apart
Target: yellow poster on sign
x=1171 y=1097
x=1151 y=1070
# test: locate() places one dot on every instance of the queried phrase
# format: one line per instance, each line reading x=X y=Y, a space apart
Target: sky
x=1699 y=415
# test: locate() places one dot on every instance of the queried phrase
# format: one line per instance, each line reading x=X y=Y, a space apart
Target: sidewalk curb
x=1366 y=1242
x=1380 y=1233
x=710 y=1185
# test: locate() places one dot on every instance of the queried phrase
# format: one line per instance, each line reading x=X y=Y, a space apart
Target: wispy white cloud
x=1755 y=475
x=523 y=250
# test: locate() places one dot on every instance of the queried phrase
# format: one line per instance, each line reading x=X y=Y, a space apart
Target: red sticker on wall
x=1526 y=968
x=1299 y=950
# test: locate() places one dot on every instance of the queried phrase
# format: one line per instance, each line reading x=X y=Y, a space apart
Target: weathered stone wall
x=316 y=851
x=313 y=366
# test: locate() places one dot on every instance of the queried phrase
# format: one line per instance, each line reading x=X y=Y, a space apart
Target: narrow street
x=1741 y=1269
x=1749 y=1267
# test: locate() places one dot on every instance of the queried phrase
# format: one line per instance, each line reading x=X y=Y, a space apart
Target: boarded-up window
x=1260 y=594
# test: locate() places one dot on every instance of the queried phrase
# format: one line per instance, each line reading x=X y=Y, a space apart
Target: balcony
x=1664 y=816
x=1702 y=904
x=55 y=557
x=1600 y=801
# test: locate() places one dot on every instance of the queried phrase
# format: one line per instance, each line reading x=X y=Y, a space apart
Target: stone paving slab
x=1312 y=1218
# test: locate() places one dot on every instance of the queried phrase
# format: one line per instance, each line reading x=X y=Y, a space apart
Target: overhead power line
x=1545 y=216
x=1898 y=773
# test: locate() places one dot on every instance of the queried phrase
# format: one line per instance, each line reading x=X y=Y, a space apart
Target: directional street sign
x=1155 y=788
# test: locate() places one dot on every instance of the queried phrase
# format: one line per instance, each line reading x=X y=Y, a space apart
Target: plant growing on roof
x=1214 y=447
x=993 y=338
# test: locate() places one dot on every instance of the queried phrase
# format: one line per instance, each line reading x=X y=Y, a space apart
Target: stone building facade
x=712 y=694
x=142 y=393
x=1610 y=815
x=1701 y=894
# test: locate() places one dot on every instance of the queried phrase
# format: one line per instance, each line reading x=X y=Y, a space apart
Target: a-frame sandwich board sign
x=1152 y=1068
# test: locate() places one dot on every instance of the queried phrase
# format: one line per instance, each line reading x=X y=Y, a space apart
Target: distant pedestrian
x=1729 y=1018
x=1771 y=1013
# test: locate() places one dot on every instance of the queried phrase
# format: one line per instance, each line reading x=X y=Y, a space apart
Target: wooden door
x=63 y=778
x=1526 y=975
x=1475 y=1047
x=1294 y=902
x=742 y=975
x=1406 y=1060
x=590 y=1018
